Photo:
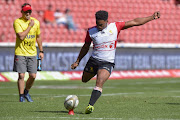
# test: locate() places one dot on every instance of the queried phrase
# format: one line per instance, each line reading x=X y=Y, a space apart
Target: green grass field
x=138 y=99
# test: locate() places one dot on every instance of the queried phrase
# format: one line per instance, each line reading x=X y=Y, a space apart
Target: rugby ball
x=71 y=102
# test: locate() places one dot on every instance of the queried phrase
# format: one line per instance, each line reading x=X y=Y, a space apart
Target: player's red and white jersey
x=104 y=42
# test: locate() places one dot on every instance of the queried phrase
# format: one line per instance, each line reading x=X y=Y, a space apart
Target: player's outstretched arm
x=141 y=21
x=83 y=52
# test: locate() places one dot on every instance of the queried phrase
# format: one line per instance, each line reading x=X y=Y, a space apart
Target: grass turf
x=146 y=99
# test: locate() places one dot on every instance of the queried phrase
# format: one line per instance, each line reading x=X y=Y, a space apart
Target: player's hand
x=41 y=55
x=31 y=23
x=74 y=65
x=156 y=15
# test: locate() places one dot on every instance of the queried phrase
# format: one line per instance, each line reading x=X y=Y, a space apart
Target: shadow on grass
x=57 y=112
x=173 y=103
x=10 y=101
x=167 y=103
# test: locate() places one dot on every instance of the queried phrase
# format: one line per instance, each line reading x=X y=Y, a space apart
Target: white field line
x=70 y=118
x=174 y=91
x=7 y=87
x=113 y=94
x=76 y=118
x=49 y=95
x=176 y=96
x=155 y=82
x=83 y=118
x=57 y=87
x=59 y=96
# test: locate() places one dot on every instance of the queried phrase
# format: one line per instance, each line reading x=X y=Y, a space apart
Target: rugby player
x=101 y=63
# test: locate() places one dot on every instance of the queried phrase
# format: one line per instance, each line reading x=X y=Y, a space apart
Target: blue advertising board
x=60 y=59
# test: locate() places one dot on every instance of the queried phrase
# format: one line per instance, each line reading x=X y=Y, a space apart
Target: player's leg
x=30 y=81
x=20 y=67
x=102 y=76
x=90 y=70
x=32 y=69
x=87 y=76
x=29 y=84
x=20 y=84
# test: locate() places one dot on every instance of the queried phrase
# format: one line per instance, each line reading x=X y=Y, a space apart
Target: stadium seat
x=163 y=30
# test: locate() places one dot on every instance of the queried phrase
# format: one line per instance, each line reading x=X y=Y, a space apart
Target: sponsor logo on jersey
x=105 y=46
x=30 y=36
x=111 y=33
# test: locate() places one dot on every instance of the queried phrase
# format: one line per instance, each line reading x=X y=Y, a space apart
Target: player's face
x=27 y=14
x=101 y=24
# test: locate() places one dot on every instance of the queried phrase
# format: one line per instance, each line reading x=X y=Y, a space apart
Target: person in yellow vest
x=27 y=31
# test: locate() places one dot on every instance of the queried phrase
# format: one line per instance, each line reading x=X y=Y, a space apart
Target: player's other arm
x=83 y=52
x=39 y=41
x=141 y=21
x=23 y=34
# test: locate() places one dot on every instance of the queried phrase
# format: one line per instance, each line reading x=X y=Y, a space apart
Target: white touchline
x=112 y=94
x=72 y=118
x=50 y=95
x=77 y=118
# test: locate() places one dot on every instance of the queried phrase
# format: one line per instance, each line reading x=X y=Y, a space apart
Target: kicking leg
x=102 y=76
x=87 y=76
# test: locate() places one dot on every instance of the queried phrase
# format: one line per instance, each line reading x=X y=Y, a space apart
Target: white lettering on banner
x=54 y=64
x=130 y=74
x=123 y=62
x=58 y=62
x=165 y=73
x=6 y=63
x=141 y=62
x=9 y=63
x=62 y=61
x=151 y=73
x=2 y=65
x=173 y=62
x=1 y=78
x=158 y=61
x=143 y=73
x=115 y=74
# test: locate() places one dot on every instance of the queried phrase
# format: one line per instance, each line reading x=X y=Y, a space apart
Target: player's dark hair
x=101 y=15
x=25 y=4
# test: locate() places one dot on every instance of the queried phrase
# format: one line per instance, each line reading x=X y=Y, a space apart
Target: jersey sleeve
x=17 y=27
x=38 y=29
x=88 y=39
x=120 y=25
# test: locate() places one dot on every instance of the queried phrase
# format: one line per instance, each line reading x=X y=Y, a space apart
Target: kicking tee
x=104 y=42
x=26 y=47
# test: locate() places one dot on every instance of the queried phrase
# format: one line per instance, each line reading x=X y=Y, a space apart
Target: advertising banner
x=61 y=58
x=44 y=75
x=77 y=75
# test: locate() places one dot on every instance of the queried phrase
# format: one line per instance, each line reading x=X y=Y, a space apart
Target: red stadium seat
x=164 y=30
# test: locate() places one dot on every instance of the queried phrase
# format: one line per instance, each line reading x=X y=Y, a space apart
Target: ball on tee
x=71 y=102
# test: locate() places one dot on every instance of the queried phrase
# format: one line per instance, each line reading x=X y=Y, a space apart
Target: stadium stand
x=165 y=30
